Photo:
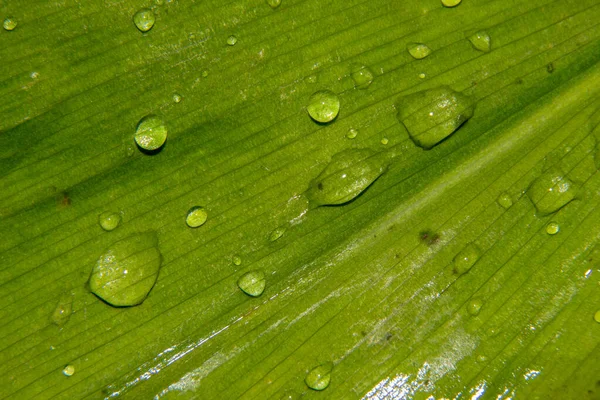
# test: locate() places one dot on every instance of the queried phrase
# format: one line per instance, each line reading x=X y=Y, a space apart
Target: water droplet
x=9 y=24
x=196 y=216
x=176 y=98
x=252 y=283
x=551 y=192
x=550 y=68
x=276 y=234
x=144 y=19
x=422 y=75
x=418 y=50
x=231 y=40
x=34 y=75
x=432 y=115
x=384 y=141
x=450 y=3
x=362 y=76
x=481 y=41
x=474 y=306
x=348 y=174
x=552 y=228
x=323 y=106
x=466 y=258
x=505 y=200
x=352 y=133
x=109 y=220
x=151 y=133
x=597 y=316
x=274 y=3
x=311 y=79
x=482 y=358
x=237 y=260
x=204 y=73
x=64 y=308
x=68 y=370
x=126 y=272
x=320 y=377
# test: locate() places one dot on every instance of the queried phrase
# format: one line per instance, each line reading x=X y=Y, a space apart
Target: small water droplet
x=204 y=73
x=9 y=24
x=362 y=76
x=422 y=75
x=418 y=50
x=550 y=68
x=348 y=174
x=231 y=40
x=237 y=260
x=311 y=79
x=151 y=133
x=276 y=234
x=450 y=3
x=430 y=116
x=176 y=98
x=126 y=272
x=252 y=283
x=481 y=41
x=505 y=200
x=352 y=133
x=320 y=377
x=552 y=228
x=474 y=306
x=196 y=216
x=144 y=19
x=384 y=141
x=64 y=308
x=109 y=220
x=597 y=316
x=274 y=3
x=551 y=192
x=68 y=370
x=466 y=258
x=323 y=106
x=481 y=358
x=34 y=75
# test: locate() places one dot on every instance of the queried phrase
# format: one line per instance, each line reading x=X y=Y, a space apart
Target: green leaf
x=370 y=286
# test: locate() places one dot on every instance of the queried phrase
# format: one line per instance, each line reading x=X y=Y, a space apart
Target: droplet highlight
x=430 y=116
x=319 y=378
x=9 y=24
x=151 y=133
x=552 y=228
x=196 y=216
x=474 y=306
x=109 y=221
x=144 y=19
x=126 y=272
x=274 y=3
x=551 y=192
x=451 y=3
x=231 y=40
x=323 y=106
x=505 y=200
x=481 y=41
x=466 y=258
x=252 y=283
x=68 y=370
x=418 y=50
x=362 y=76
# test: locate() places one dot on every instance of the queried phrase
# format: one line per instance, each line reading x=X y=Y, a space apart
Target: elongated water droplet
x=237 y=260
x=481 y=41
x=352 y=133
x=274 y=3
x=252 y=283
x=276 y=234
x=432 y=115
x=450 y=3
x=126 y=272
x=151 y=133
x=231 y=40
x=505 y=200
x=64 y=308
x=362 y=76
x=323 y=106
x=348 y=174
x=418 y=50
x=144 y=19
x=9 y=24
x=109 y=220
x=474 y=306
x=552 y=228
x=196 y=216
x=68 y=370
x=551 y=192
x=320 y=377
x=466 y=258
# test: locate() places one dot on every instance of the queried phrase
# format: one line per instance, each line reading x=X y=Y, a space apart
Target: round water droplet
x=151 y=133
x=422 y=75
x=597 y=316
x=320 y=377
x=450 y=3
x=505 y=200
x=362 y=76
x=551 y=192
x=552 y=228
x=176 y=98
x=9 y=24
x=481 y=41
x=68 y=370
x=252 y=283
x=231 y=40
x=109 y=220
x=276 y=234
x=196 y=216
x=204 y=73
x=418 y=50
x=274 y=3
x=430 y=116
x=384 y=141
x=144 y=19
x=323 y=106
x=466 y=258
x=237 y=260
x=474 y=306
x=352 y=133
x=62 y=312
x=126 y=272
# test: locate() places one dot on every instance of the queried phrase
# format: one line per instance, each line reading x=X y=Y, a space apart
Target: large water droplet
x=450 y=3
x=151 y=133
x=474 y=306
x=9 y=24
x=68 y=370
x=362 y=76
x=274 y=3
x=432 y=115
x=323 y=106
x=109 y=220
x=348 y=174
x=551 y=192
x=418 y=50
x=252 y=283
x=196 y=216
x=126 y=272
x=481 y=41
x=231 y=40
x=505 y=200
x=552 y=228
x=64 y=308
x=466 y=258
x=320 y=377
x=144 y=19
